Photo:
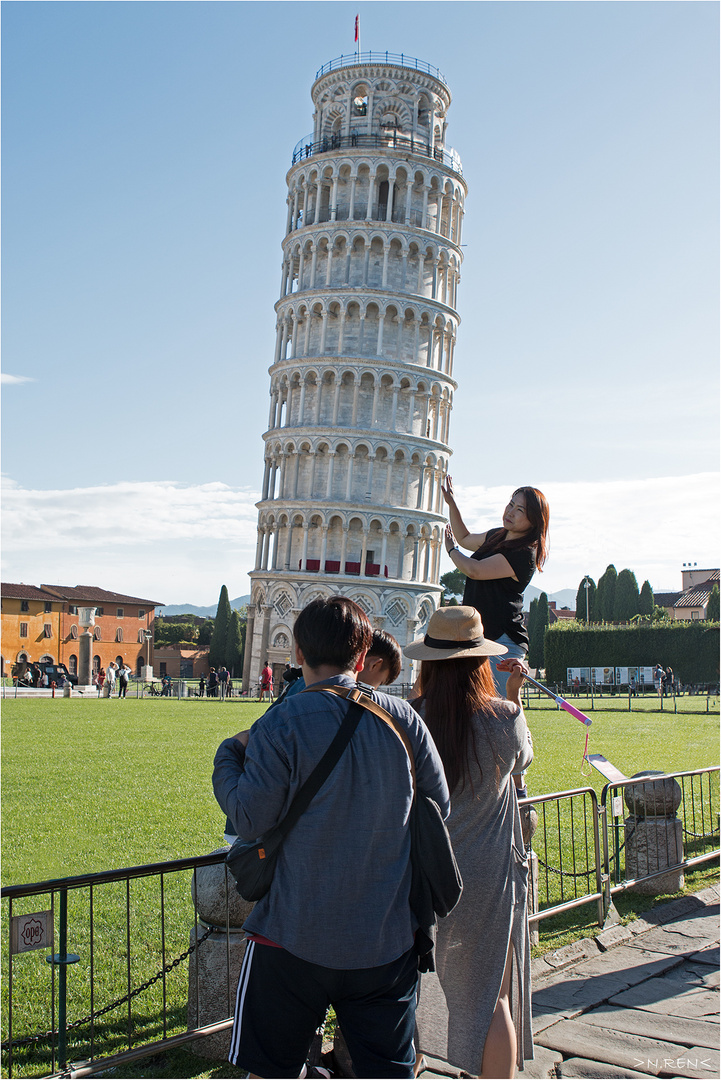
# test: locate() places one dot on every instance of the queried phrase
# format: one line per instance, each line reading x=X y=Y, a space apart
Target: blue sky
x=145 y=147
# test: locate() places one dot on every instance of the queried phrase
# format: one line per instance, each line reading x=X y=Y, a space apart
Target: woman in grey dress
x=475 y=1010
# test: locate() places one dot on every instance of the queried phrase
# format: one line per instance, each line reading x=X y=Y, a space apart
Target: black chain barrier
x=26 y=1040
x=700 y=835
x=564 y=873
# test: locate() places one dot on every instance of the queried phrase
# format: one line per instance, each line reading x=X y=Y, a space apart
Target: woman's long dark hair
x=538 y=513
x=452 y=692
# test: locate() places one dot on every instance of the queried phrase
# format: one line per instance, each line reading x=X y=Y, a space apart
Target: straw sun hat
x=453 y=632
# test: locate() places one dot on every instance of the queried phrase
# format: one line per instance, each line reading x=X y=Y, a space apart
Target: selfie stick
x=561 y=701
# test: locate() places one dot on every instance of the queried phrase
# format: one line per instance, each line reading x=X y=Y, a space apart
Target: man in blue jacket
x=336 y=925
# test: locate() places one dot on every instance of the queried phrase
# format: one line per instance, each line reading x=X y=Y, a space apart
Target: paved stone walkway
x=637 y=1001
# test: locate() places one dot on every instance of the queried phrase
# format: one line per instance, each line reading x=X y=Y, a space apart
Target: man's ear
x=360 y=662
x=299 y=658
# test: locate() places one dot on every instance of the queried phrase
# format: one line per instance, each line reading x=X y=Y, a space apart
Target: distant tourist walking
x=201 y=686
x=658 y=677
x=109 y=683
x=266 y=682
x=212 y=683
x=123 y=675
x=668 y=681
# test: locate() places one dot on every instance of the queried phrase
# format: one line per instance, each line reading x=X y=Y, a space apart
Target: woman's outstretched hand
x=447 y=490
x=518 y=669
x=450 y=539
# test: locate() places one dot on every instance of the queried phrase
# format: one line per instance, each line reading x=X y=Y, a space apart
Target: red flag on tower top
x=357 y=26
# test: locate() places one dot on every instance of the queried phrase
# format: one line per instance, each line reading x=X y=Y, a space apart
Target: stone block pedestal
x=214 y=966
x=651 y=845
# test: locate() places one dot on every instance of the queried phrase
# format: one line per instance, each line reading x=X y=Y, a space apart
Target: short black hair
x=333 y=630
x=386 y=646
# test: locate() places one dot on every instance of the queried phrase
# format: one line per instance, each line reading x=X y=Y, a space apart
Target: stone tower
x=361 y=385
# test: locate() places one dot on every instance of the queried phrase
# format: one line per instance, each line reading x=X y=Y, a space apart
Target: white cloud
x=12 y=380
x=160 y=539
x=175 y=542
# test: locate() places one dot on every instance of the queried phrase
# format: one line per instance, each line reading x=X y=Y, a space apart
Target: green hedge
x=692 y=649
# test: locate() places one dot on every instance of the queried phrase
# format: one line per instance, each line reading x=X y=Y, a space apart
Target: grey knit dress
x=457 y=1001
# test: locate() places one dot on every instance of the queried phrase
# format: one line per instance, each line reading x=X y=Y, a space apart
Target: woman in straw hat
x=502 y=564
x=474 y=1012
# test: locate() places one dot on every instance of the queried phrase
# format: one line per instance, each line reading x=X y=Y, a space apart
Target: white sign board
x=583 y=674
x=603 y=676
x=625 y=674
x=645 y=676
x=31 y=932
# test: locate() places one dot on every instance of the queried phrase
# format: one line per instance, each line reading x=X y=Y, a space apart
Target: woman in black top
x=502 y=564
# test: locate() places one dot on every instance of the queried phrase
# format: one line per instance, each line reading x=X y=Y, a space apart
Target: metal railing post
x=61 y=959
x=603 y=818
x=597 y=856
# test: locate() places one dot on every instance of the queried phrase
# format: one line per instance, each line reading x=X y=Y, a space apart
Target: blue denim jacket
x=340 y=892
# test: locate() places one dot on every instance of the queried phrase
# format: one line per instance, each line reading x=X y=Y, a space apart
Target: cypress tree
x=581 y=601
x=218 y=642
x=531 y=628
x=540 y=625
x=606 y=594
x=645 y=600
x=712 y=608
x=625 y=603
x=234 y=644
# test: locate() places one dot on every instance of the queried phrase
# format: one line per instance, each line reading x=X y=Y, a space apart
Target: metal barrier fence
x=668 y=817
x=127 y=924
x=568 y=849
x=127 y=930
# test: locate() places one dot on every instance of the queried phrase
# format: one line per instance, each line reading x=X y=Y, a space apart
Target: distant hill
x=563 y=598
x=203 y=612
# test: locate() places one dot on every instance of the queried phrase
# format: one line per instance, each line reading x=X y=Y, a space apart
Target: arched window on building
x=73 y=664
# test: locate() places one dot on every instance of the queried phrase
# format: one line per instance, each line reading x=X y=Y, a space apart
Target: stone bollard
x=653 y=834
x=215 y=966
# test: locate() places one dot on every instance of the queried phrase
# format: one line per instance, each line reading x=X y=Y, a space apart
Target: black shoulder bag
x=253 y=864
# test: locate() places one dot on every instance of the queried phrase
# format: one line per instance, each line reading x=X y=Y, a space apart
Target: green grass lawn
x=93 y=785
x=96 y=785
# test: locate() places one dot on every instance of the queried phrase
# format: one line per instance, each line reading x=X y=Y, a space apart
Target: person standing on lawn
x=336 y=927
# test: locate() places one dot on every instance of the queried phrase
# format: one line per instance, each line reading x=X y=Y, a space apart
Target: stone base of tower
x=401 y=608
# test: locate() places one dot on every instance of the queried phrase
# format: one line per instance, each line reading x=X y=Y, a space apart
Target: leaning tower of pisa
x=361 y=384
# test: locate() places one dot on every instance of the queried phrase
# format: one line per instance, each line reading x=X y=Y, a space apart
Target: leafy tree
x=205 y=633
x=234 y=644
x=645 y=600
x=581 y=600
x=626 y=598
x=712 y=608
x=174 y=633
x=605 y=594
x=218 y=642
x=454 y=584
x=537 y=630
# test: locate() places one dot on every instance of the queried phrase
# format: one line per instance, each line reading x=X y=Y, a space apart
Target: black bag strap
x=353 y=693
x=323 y=769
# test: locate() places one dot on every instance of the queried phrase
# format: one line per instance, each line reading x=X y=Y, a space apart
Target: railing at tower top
x=380 y=138
x=398 y=59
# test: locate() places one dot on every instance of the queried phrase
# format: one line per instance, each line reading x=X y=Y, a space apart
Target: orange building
x=42 y=624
